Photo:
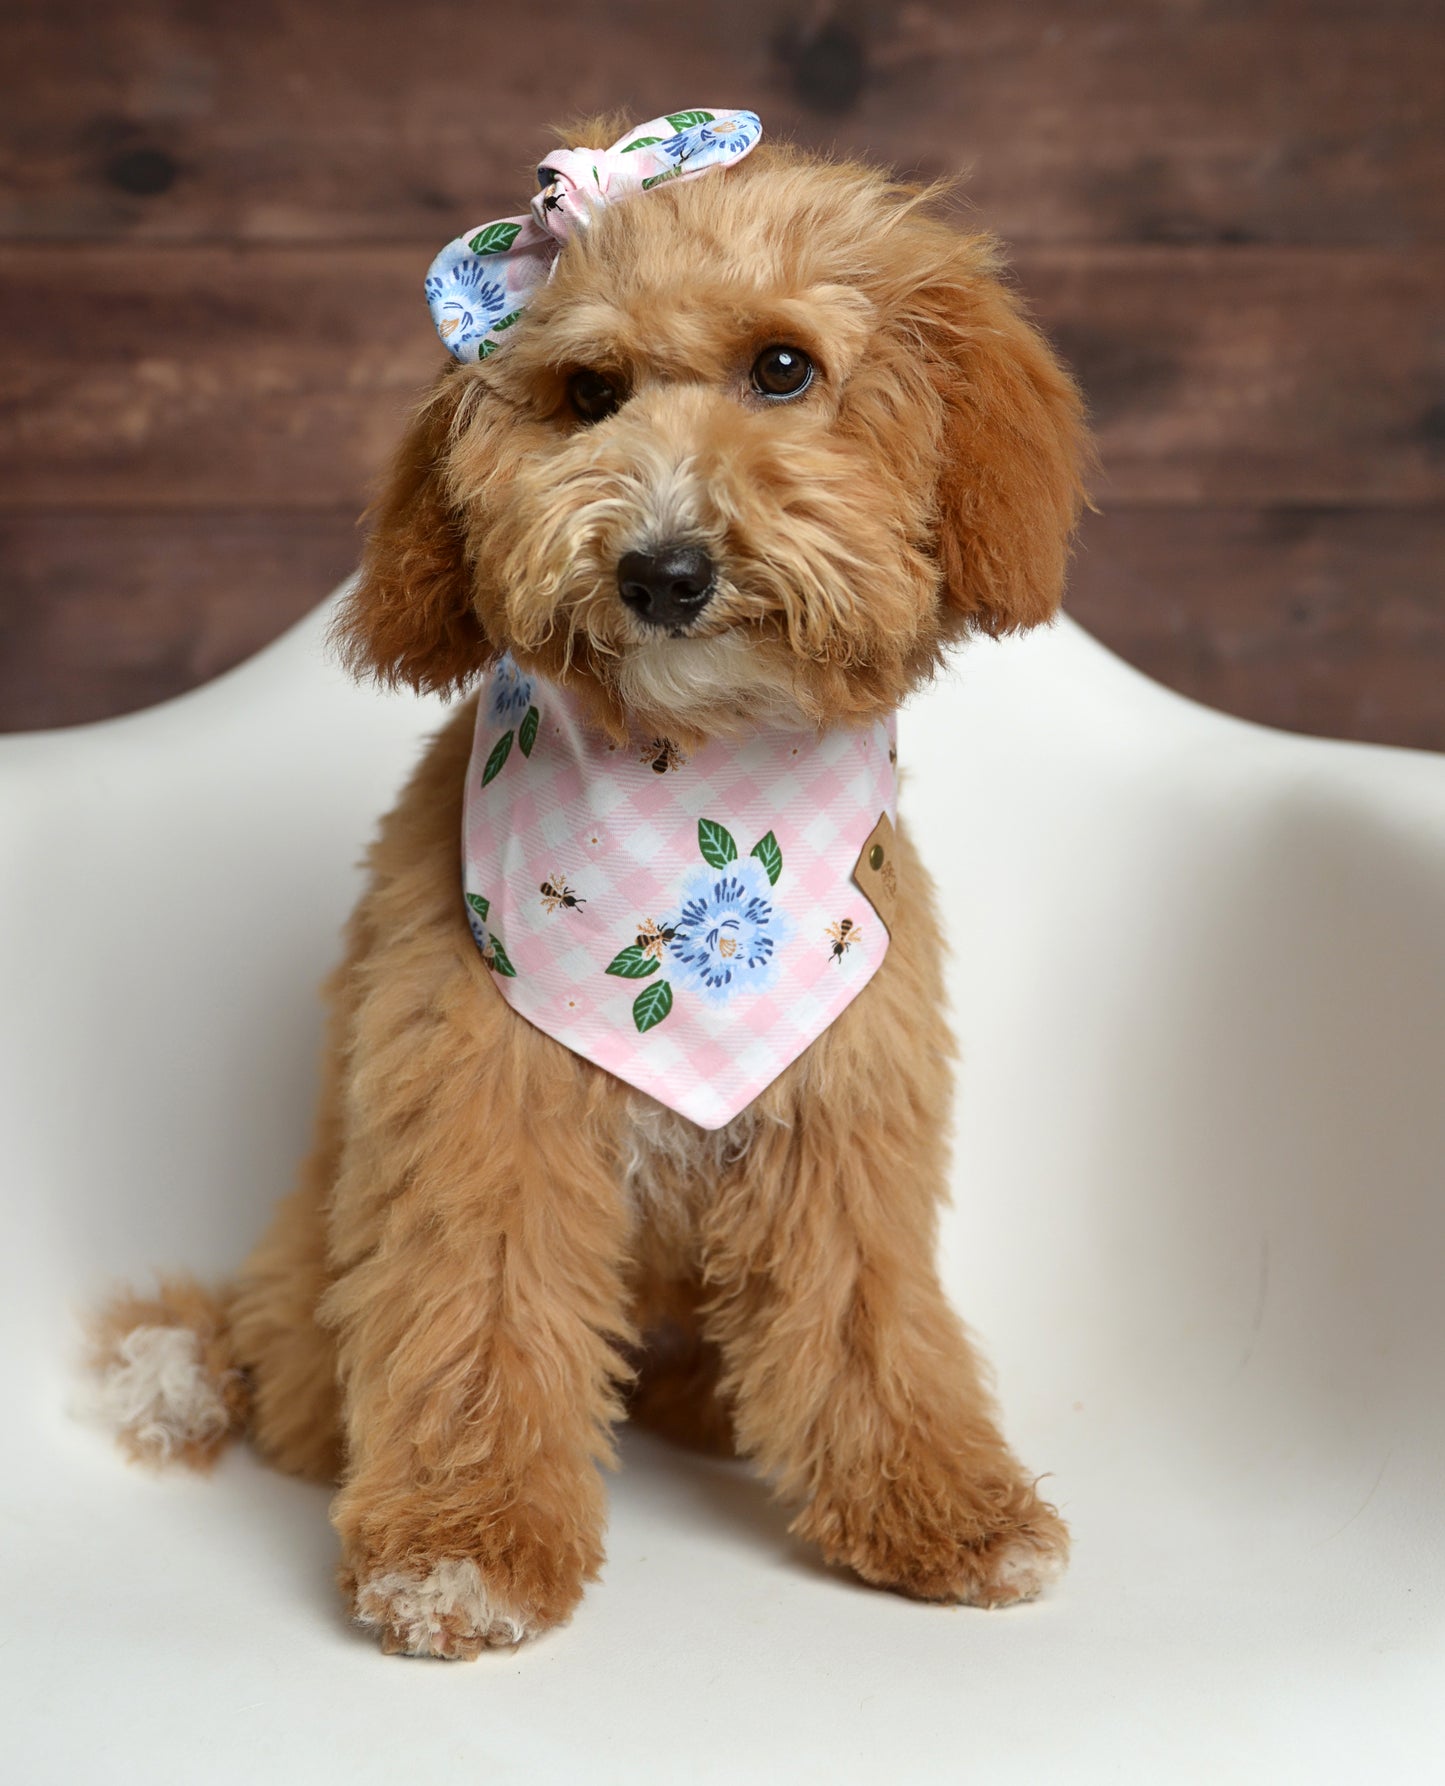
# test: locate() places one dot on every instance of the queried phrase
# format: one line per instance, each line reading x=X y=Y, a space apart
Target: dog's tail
x=164 y=1378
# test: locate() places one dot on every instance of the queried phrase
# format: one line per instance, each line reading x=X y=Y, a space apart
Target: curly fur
x=495 y=1247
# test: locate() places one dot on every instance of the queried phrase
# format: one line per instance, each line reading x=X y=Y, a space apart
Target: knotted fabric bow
x=477 y=286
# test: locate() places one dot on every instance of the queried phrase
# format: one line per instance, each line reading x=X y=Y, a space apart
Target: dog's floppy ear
x=411 y=620
x=1013 y=448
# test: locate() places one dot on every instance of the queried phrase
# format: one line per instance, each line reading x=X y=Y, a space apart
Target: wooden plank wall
x=1230 y=215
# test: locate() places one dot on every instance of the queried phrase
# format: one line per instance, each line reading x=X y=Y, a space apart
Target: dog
x=757 y=449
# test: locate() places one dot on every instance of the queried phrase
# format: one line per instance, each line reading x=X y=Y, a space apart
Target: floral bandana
x=690 y=923
x=478 y=285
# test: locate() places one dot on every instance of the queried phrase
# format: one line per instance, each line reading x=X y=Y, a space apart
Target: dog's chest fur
x=671 y=1169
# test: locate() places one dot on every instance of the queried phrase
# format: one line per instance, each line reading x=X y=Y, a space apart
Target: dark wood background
x=1229 y=214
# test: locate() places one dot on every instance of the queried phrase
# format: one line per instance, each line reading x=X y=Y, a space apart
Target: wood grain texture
x=1321 y=620
x=1230 y=214
x=1080 y=120
x=106 y=613
x=207 y=377
x=275 y=377
x=1254 y=375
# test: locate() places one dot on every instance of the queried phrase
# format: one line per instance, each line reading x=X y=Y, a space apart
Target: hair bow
x=478 y=284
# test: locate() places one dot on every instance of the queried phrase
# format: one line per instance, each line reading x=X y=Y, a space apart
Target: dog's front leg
x=480 y=1230
x=851 y=1380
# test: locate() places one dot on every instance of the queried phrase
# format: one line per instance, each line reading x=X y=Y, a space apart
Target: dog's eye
x=593 y=395
x=782 y=372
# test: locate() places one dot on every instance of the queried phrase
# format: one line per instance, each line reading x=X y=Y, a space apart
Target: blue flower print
x=510 y=695
x=464 y=301
x=727 y=931
x=486 y=939
x=733 y=135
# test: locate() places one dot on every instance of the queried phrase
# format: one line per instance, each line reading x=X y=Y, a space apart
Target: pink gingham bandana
x=479 y=284
x=690 y=923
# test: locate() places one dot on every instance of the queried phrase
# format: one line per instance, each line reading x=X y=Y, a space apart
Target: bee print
x=844 y=934
x=662 y=754
x=558 y=896
x=653 y=938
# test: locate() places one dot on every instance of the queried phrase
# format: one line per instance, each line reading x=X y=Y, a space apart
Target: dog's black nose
x=667 y=587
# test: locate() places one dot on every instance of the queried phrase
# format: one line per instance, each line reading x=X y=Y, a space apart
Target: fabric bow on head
x=478 y=285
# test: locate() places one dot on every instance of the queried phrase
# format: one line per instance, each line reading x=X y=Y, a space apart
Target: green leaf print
x=500 y=960
x=685 y=120
x=500 y=752
x=716 y=843
x=506 y=322
x=767 y=852
x=487 y=347
x=657 y=179
x=631 y=964
x=527 y=731
x=479 y=905
x=643 y=142
x=496 y=238
x=651 y=1005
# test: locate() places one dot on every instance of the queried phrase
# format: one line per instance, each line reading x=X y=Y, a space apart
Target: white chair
x=1199 y=974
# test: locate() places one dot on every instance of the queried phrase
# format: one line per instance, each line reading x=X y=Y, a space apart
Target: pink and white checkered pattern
x=615 y=839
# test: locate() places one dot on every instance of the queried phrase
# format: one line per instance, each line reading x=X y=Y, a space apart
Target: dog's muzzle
x=668 y=587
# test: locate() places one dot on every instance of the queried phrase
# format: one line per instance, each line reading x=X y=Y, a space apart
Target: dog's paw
x=448 y=1612
x=988 y=1548
x=1016 y=1566
x=457 y=1574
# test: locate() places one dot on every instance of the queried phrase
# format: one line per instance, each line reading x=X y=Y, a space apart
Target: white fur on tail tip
x=156 y=1390
x=435 y=1614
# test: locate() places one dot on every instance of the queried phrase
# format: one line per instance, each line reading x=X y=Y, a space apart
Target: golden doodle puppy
x=644 y=1108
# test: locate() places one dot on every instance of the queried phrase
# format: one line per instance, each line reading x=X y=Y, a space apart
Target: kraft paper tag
x=875 y=873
